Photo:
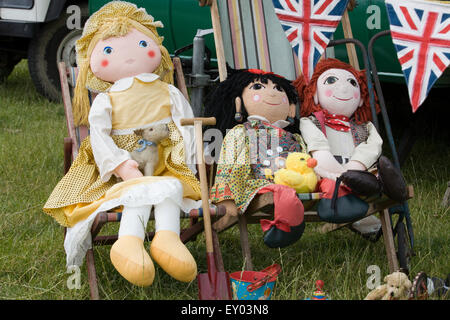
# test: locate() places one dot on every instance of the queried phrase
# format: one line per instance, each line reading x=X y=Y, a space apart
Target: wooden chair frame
x=71 y=146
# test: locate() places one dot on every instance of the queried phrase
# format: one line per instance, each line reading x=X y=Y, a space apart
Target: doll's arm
x=107 y=155
x=318 y=146
x=229 y=164
x=366 y=153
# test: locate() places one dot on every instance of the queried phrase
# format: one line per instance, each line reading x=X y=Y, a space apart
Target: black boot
x=392 y=182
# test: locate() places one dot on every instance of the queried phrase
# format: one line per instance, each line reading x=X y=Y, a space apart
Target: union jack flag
x=309 y=25
x=420 y=31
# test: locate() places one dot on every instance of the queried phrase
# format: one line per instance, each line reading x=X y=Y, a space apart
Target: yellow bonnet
x=114 y=19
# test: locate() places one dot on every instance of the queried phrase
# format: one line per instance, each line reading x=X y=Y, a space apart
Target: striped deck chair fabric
x=254 y=38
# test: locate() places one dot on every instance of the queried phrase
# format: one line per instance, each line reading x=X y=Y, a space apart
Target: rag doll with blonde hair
x=121 y=57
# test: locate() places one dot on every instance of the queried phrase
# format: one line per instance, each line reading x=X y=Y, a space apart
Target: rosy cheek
x=256 y=98
x=151 y=54
x=328 y=92
x=104 y=63
x=356 y=95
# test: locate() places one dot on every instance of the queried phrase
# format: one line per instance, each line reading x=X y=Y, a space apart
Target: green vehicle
x=44 y=32
x=182 y=19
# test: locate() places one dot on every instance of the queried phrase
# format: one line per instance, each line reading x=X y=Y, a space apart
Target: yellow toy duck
x=299 y=173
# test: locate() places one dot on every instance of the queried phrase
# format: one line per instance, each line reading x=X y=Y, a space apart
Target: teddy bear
x=147 y=155
x=397 y=287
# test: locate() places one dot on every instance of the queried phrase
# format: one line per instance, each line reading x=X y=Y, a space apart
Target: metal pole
x=198 y=76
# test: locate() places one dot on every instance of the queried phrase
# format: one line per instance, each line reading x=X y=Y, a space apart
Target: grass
x=32 y=258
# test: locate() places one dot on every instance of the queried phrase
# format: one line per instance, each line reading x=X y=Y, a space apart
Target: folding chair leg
x=217 y=253
x=92 y=274
x=388 y=237
x=243 y=232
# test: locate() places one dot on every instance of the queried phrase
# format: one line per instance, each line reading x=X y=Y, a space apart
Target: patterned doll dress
x=246 y=156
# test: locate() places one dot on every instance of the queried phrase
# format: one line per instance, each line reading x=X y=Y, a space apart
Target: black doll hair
x=221 y=102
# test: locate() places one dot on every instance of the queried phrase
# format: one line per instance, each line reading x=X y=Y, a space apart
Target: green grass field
x=32 y=258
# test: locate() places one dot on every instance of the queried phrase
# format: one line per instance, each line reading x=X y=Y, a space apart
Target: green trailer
x=182 y=19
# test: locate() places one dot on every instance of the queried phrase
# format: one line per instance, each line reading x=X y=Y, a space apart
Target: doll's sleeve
x=314 y=138
x=231 y=159
x=182 y=109
x=301 y=142
x=106 y=153
x=369 y=151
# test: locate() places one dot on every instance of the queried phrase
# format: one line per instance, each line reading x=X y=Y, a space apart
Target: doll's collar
x=279 y=123
x=126 y=83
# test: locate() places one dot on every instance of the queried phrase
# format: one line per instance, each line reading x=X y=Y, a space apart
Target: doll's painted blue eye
x=107 y=50
x=143 y=44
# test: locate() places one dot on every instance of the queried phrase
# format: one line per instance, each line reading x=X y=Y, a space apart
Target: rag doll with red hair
x=336 y=126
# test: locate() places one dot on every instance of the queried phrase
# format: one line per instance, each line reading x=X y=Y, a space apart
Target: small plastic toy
x=318 y=294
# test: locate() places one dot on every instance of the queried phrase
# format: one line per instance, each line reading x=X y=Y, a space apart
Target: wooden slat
x=218 y=40
x=388 y=237
x=245 y=244
x=179 y=74
x=92 y=275
x=67 y=101
x=348 y=34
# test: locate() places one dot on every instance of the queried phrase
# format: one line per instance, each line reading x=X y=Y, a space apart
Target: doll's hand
x=230 y=217
x=231 y=207
x=354 y=165
x=327 y=165
x=128 y=170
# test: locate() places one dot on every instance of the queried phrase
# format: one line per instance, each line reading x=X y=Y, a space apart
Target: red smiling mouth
x=342 y=99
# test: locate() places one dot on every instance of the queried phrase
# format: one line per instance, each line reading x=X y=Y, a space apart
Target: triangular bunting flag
x=309 y=25
x=420 y=31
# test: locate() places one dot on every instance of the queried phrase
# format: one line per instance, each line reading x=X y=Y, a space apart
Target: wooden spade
x=213 y=285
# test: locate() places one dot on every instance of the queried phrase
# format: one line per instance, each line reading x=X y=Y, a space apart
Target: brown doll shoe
x=392 y=181
x=361 y=182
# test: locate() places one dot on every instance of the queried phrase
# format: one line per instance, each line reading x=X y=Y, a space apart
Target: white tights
x=134 y=219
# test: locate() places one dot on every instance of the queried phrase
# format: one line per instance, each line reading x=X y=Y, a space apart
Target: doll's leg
x=167 y=249
x=128 y=254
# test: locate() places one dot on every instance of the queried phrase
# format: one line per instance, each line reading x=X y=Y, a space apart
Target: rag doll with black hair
x=255 y=111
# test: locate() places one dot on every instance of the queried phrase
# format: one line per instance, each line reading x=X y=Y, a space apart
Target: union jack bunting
x=420 y=31
x=309 y=25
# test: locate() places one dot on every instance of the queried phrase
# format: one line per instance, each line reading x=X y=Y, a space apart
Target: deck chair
x=71 y=145
x=249 y=35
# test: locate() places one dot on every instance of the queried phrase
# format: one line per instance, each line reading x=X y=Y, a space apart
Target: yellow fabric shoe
x=132 y=261
x=172 y=255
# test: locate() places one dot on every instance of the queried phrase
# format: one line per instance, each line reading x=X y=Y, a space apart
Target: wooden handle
x=203 y=187
x=191 y=121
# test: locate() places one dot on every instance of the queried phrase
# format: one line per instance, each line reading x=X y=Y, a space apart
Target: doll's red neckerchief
x=334 y=121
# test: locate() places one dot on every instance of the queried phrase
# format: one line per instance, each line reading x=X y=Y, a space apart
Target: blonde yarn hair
x=115 y=19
